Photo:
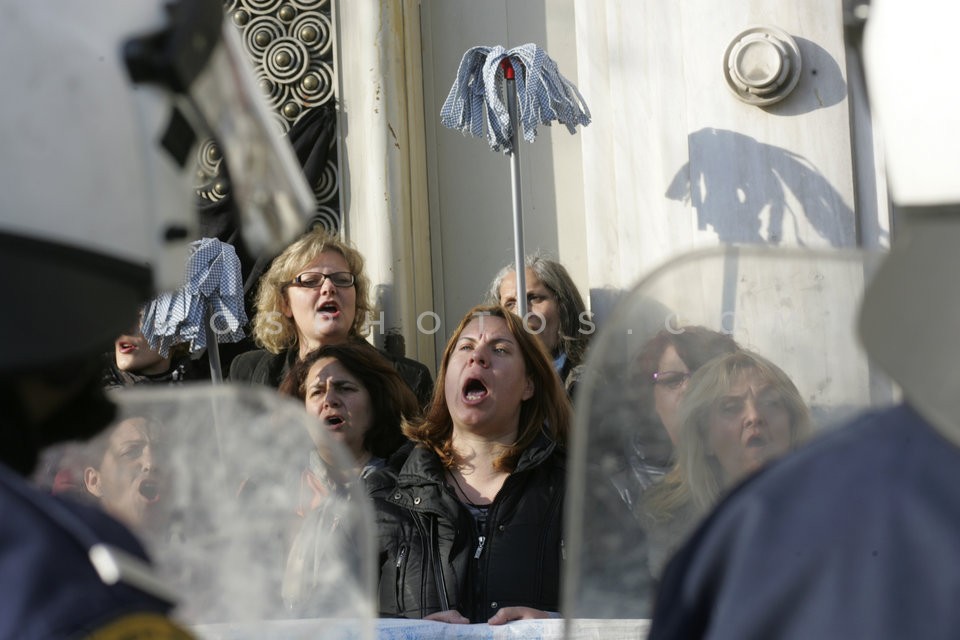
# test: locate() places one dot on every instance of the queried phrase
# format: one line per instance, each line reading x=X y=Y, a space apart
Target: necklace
x=463 y=493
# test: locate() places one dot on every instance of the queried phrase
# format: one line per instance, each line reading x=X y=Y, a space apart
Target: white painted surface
x=690 y=165
x=470 y=193
x=672 y=161
x=382 y=161
x=908 y=46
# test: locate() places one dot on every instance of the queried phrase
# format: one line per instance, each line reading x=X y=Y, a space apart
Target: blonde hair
x=696 y=480
x=275 y=332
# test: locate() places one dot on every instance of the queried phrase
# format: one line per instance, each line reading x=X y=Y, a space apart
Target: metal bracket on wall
x=762 y=65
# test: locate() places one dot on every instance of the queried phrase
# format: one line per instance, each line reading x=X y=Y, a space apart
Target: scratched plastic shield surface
x=712 y=367
x=214 y=480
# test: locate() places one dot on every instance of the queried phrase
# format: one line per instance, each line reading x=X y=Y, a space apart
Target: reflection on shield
x=221 y=473
x=711 y=368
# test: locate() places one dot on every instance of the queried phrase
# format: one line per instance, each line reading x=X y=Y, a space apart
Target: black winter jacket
x=181 y=370
x=429 y=552
x=262 y=367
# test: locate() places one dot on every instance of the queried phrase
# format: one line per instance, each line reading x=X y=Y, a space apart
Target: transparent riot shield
x=252 y=514
x=709 y=369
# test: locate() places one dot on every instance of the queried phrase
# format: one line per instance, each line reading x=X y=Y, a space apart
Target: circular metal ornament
x=277 y=93
x=210 y=185
x=259 y=34
x=326 y=187
x=287 y=13
x=286 y=60
x=326 y=217
x=310 y=5
x=240 y=17
x=262 y=7
x=289 y=43
x=314 y=30
x=762 y=65
x=291 y=110
x=209 y=157
x=316 y=86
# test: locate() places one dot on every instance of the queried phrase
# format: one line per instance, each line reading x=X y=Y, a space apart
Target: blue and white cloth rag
x=212 y=292
x=543 y=95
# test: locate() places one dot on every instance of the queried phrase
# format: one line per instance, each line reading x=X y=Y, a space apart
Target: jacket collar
x=415 y=477
x=417 y=465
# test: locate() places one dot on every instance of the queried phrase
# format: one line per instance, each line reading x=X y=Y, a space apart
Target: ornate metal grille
x=290 y=43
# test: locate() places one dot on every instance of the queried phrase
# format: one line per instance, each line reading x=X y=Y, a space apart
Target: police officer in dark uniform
x=104 y=104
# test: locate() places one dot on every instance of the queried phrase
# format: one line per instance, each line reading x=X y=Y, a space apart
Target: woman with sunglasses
x=315 y=293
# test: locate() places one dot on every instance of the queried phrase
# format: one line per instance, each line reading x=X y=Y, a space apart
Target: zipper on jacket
x=480 y=541
x=399 y=587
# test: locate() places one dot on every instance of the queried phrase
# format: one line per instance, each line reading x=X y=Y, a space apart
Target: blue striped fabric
x=543 y=95
x=212 y=276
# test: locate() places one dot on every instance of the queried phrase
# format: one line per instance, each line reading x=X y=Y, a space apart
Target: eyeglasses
x=314 y=279
x=671 y=379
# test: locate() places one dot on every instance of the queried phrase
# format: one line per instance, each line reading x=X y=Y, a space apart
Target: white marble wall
x=672 y=161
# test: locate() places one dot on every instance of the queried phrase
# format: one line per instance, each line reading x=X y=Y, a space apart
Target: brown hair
x=548 y=409
x=392 y=400
x=696 y=345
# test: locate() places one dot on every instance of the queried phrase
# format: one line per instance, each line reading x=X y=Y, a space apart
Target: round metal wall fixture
x=762 y=65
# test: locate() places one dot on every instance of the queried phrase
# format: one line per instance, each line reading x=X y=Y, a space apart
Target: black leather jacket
x=262 y=367
x=430 y=555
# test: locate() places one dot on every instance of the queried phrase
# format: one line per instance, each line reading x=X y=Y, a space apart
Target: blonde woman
x=740 y=412
x=314 y=294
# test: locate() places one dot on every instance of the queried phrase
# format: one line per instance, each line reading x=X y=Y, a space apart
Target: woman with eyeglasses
x=663 y=368
x=739 y=412
x=315 y=293
x=668 y=360
x=632 y=461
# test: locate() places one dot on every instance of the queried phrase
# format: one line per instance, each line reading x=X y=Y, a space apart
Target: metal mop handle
x=511 y=90
x=213 y=347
